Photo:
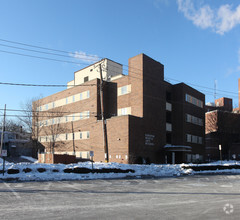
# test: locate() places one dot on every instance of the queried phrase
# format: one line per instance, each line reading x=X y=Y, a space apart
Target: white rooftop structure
x=110 y=71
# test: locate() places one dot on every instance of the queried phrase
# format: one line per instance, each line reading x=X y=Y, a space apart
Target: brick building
x=148 y=119
x=222 y=128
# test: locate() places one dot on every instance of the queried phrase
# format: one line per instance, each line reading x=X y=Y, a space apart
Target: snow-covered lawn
x=38 y=172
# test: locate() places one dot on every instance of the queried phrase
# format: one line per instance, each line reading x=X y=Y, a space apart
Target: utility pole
x=3 y=125
x=73 y=139
x=2 y=137
x=104 y=122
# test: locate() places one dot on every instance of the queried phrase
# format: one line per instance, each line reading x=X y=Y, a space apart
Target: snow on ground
x=152 y=170
x=29 y=158
x=223 y=163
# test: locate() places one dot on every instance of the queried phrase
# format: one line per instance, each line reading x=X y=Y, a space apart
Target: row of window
x=65 y=101
x=194 y=139
x=194 y=101
x=119 y=157
x=65 y=137
x=194 y=120
x=86 y=154
x=66 y=118
x=124 y=90
x=124 y=111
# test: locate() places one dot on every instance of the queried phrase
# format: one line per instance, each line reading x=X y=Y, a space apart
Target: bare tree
x=12 y=125
x=30 y=118
x=52 y=127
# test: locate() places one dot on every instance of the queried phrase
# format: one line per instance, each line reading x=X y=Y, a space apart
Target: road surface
x=191 y=197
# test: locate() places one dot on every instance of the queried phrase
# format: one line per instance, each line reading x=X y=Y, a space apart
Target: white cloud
x=82 y=56
x=220 y=20
x=158 y=3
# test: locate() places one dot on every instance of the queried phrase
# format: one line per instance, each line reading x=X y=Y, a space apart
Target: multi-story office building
x=148 y=119
x=222 y=129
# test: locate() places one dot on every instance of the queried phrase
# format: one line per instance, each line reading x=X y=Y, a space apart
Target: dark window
x=168 y=96
x=169 y=138
x=86 y=79
x=168 y=117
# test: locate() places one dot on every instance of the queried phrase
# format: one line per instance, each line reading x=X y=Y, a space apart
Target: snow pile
x=30 y=159
x=30 y=171
x=223 y=163
x=80 y=171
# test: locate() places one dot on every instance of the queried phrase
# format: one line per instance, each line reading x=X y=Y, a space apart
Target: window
x=88 y=114
x=88 y=94
x=80 y=135
x=81 y=96
x=194 y=139
x=88 y=134
x=169 y=138
x=168 y=106
x=40 y=108
x=88 y=155
x=66 y=100
x=188 y=118
x=123 y=111
x=86 y=79
x=189 y=139
x=73 y=99
x=53 y=104
x=53 y=121
x=200 y=140
x=123 y=90
x=73 y=117
x=168 y=127
x=66 y=136
x=46 y=106
x=81 y=116
x=194 y=120
x=194 y=101
x=66 y=118
x=168 y=96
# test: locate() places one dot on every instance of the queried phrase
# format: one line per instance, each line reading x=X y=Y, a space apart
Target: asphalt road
x=192 y=197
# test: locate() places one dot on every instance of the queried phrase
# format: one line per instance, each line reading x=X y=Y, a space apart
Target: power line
x=45 y=48
x=43 y=58
x=23 y=110
x=42 y=52
x=201 y=86
x=42 y=85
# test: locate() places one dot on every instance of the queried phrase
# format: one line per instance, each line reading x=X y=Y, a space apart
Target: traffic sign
x=4 y=153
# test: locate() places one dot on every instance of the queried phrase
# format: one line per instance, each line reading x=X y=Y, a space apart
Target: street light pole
x=220 y=150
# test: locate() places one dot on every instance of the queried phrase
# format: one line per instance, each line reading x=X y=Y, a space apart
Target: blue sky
x=196 y=40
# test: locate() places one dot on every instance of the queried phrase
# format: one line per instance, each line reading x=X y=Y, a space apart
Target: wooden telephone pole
x=104 y=122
